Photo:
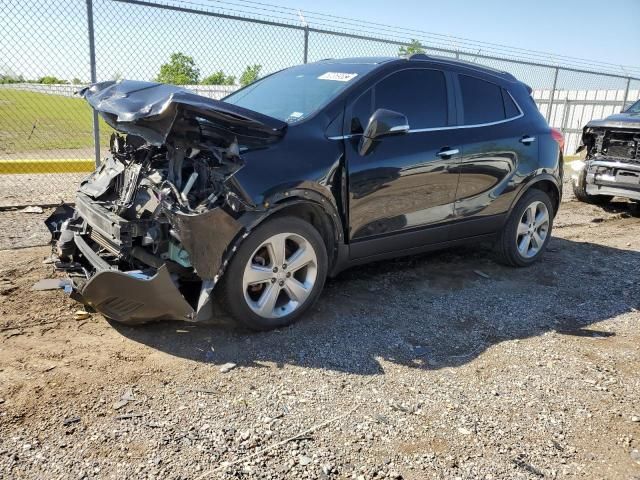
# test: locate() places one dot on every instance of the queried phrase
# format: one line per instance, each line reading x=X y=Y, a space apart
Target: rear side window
x=510 y=107
x=421 y=95
x=485 y=102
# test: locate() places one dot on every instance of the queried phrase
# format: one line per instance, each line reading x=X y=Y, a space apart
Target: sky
x=605 y=30
x=134 y=41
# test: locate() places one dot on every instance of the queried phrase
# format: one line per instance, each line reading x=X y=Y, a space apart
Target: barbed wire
x=290 y=16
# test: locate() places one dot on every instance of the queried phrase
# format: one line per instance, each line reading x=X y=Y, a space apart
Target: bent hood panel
x=619 y=120
x=162 y=113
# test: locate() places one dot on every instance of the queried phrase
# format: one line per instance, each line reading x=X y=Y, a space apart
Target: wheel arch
x=546 y=183
x=311 y=206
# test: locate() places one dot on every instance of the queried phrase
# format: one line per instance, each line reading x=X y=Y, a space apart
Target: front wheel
x=276 y=274
x=580 y=191
x=528 y=229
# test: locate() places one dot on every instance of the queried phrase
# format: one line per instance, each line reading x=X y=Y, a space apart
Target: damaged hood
x=162 y=113
x=619 y=120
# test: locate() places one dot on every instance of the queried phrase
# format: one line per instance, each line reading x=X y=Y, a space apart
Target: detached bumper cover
x=136 y=298
x=139 y=296
x=611 y=177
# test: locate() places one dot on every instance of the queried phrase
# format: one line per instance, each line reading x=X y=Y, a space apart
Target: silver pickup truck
x=612 y=164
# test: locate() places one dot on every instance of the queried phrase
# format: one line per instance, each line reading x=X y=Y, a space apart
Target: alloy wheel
x=280 y=275
x=533 y=229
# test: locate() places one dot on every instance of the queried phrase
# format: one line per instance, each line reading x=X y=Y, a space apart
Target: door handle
x=448 y=152
x=527 y=140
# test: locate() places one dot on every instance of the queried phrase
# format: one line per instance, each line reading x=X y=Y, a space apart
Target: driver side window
x=420 y=94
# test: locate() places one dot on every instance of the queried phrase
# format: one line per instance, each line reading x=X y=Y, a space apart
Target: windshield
x=635 y=108
x=295 y=93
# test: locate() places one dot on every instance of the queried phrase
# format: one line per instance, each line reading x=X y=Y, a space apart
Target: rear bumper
x=612 y=177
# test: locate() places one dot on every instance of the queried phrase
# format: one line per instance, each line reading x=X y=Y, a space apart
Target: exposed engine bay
x=154 y=225
x=612 y=162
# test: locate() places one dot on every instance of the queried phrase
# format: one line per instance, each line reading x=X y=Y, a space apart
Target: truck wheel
x=580 y=191
x=526 y=234
x=276 y=275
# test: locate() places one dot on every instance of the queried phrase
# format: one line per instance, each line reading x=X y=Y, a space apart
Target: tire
x=518 y=226
x=250 y=284
x=580 y=191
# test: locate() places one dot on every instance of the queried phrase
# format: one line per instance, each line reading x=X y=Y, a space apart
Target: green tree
x=50 y=80
x=250 y=74
x=219 y=78
x=181 y=70
x=76 y=81
x=414 y=47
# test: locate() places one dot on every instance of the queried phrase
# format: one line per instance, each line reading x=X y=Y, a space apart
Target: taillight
x=558 y=137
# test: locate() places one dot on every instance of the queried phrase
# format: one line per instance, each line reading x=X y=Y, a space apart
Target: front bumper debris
x=134 y=297
x=612 y=177
x=150 y=294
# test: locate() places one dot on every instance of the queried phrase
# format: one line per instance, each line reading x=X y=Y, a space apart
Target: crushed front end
x=612 y=162
x=155 y=224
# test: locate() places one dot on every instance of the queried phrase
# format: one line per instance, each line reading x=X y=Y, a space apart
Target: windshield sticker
x=296 y=114
x=337 y=76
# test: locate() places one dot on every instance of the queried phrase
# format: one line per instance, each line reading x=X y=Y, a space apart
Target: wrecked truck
x=246 y=205
x=612 y=159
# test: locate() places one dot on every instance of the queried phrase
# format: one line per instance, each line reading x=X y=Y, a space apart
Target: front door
x=408 y=182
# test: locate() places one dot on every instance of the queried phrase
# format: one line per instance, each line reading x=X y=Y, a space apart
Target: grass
x=32 y=122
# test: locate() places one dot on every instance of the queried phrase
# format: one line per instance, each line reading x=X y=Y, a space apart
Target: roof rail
x=418 y=56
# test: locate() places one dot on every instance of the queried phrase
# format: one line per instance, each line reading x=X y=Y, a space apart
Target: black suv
x=256 y=199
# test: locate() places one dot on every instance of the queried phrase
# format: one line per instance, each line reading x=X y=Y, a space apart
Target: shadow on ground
x=431 y=311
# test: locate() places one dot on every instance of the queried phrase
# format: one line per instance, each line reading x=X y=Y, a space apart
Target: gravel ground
x=38 y=188
x=445 y=365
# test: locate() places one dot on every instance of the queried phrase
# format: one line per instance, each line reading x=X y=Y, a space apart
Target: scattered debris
x=81 y=315
x=227 y=367
x=70 y=420
x=304 y=460
x=32 y=209
x=126 y=397
x=50 y=284
x=128 y=416
x=481 y=274
x=464 y=431
x=48 y=369
x=635 y=419
x=119 y=404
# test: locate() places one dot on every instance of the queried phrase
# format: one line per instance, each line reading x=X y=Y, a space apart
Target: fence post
x=626 y=94
x=306 y=43
x=92 y=63
x=553 y=93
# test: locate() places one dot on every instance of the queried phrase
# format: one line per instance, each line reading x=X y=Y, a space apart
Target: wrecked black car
x=612 y=163
x=253 y=201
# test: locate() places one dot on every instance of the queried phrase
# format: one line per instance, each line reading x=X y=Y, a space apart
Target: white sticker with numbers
x=337 y=76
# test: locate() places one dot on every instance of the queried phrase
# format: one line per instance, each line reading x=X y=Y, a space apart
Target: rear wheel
x=580 y=191
x=527 y=232
x=276 y=274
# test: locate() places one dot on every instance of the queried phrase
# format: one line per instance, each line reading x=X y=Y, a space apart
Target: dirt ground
x=446 y=365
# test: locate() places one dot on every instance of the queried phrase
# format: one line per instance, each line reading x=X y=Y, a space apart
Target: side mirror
x=383 y=123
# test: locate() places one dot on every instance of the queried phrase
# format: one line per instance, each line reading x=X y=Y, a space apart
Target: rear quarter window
x=482 y=101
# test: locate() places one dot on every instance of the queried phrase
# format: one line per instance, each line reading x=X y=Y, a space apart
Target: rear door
x=497 y=141
x=405 y=183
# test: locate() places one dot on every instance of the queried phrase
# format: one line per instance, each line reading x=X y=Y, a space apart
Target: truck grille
x=624 y=149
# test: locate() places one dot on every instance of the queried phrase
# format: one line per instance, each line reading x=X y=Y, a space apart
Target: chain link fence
x=49 y=49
